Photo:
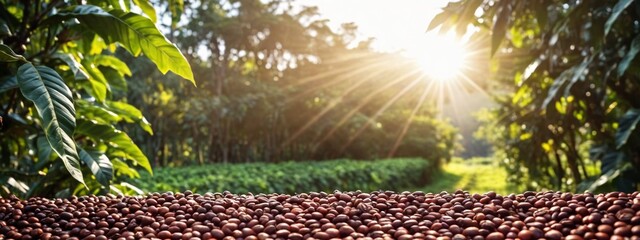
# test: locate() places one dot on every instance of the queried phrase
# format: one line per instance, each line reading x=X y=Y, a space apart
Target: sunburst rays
x=401 y=73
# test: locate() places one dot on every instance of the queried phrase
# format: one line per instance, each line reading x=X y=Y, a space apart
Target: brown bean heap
x=386 y=215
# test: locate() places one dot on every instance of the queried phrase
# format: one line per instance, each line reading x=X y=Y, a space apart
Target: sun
x=441 y=57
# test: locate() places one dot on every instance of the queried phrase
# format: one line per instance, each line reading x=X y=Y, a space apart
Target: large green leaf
x=8 y=55
x=631 y=54
x=115 y=138
x=147 y=8
x=615 y=13
x=627 y=126
x=135 y=32
x=53 y=101
x=99 y=164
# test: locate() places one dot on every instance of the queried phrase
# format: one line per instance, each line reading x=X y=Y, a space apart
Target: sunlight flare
x=441 y=57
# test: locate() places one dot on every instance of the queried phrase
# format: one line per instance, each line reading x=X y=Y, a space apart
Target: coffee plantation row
x=291 y=177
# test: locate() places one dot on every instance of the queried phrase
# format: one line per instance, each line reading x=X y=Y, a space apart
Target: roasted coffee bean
x=406 y=215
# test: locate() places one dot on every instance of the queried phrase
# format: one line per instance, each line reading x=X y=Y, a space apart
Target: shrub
x=291 y=177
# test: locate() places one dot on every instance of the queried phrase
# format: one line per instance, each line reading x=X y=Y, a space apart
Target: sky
x=396 y=25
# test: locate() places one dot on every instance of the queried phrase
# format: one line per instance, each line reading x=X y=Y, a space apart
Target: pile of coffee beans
x=346 y=215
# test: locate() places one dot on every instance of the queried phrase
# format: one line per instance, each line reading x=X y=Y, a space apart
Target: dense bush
x=291 y=177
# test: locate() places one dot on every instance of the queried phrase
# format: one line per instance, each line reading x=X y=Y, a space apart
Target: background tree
x=61 y=93
x=572 y=70
x=276 y=83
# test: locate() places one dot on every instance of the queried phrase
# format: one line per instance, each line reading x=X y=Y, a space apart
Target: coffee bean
x=495 y=236
x=470 y=231
x=346 y=231
x=217 y=233
x=525 y=235
x=553 y=234
x=164 y=234
x=405 y=215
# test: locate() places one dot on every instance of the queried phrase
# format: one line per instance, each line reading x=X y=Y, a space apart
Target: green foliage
x=99 y=164
x=275 y=84
x=8 y=55
x=61 y=94
x=292 y=177
x=273 y=87
x=136 y=33
x=52 y=99
x=572 y=70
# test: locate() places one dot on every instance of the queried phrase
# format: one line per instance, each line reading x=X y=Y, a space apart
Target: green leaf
x=7 y=83
x=98 y=85
x=116 y=79
x=570 y=76
x=577 y=72
x=112 y=62
x=74 y=65
x=147 y=8
x=612 y=160
x=136 y=33
x=116 y=139
x=604 y=179
x=627 y=126
x=97 y=112
x=4 y=29
x=44 y=149
x=631 y=54
x=121 y=168
x=130 y=114
x=53 y=101
x=8 y=55
x=99 y=164
x=617 y=10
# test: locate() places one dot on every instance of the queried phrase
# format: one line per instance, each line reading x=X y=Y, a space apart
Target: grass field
x=475 y=176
